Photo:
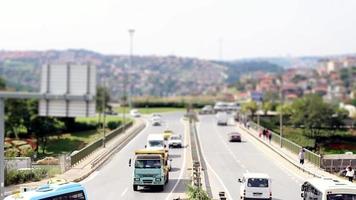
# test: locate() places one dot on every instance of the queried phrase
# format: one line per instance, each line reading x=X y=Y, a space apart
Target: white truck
x=222 y=118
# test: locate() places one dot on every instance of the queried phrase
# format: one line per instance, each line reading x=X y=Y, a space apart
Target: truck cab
x=150 y=169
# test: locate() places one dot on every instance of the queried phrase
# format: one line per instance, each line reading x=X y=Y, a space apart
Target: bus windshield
x=341 y=197
x=148 y=164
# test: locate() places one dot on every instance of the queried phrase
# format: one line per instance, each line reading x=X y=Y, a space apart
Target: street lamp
x=280 y=83
x=131 y=32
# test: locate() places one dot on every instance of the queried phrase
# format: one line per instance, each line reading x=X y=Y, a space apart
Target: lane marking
x=183 y=164
x=211 y=168
x=124 y=192
x=277 y=161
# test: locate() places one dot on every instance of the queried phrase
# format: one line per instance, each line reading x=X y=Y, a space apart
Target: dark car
x=234 y=137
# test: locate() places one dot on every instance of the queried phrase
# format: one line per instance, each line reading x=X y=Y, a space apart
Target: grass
x=338 y=142
x=69 y=142
x=95 y=119
x=151 y=110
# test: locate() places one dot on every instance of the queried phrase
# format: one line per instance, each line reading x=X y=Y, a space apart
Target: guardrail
x=291 y=146
x=78 y=156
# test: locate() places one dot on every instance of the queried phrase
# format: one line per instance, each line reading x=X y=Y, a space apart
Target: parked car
x=175 y=141
x=135 y=113
x=234 y=137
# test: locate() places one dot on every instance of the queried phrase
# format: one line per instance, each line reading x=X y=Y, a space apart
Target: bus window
x=341 y=197
x=79 y=195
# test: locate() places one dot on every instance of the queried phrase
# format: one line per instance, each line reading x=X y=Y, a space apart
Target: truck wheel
x=135 y=187
x=160 y=188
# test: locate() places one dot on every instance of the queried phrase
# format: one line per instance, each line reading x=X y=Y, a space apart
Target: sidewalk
x=289 y=156
x=86 y=166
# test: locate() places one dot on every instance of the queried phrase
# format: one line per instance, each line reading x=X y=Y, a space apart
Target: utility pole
x=220 y=49
x=281 y=112
x=131 y=32
x=104 y=113
x=2 y=155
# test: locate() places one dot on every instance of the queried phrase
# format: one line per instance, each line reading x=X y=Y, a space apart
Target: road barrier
x=199 y=165
x=81 y=154
x=291 y=146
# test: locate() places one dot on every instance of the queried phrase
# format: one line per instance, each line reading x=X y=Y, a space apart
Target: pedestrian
x=269 y=134
x=350 y=173
x=301 y=156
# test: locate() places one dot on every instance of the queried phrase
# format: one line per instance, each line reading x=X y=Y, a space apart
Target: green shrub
x=113 y=125
x=22 y=176
x=7 y=145
x=26 y=150
x=12 y=152
x=197 y=193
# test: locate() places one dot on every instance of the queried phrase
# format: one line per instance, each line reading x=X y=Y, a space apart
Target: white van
x=255 y=186
x=155 y=142
x=222 y=118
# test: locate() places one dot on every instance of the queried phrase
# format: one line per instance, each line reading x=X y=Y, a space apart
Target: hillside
x=149 y=75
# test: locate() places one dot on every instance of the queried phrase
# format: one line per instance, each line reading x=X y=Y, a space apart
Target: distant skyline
x=209 y=29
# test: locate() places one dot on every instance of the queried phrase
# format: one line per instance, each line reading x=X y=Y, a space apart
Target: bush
x=197 y=193
x=83 y=126
x=26 y=150
x=12 y=152
x=22 y=176
x=113 y=125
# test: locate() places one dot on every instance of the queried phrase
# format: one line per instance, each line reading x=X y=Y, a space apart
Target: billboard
x=68 y=81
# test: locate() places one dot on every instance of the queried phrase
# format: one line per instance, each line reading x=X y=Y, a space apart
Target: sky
x=209 y=29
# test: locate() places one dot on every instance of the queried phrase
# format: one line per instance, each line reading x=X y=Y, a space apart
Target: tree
x=18 y=115
x=43 y=127
x=250 y=106
x=102 y=100
x=2 y=84
x=312 y=114
x=266 y=106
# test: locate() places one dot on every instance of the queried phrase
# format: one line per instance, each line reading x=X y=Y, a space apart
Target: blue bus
x=53 y=191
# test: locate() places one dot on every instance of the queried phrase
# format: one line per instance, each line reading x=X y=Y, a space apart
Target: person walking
x=301 y=156
x=350 y=173
x=269 y=135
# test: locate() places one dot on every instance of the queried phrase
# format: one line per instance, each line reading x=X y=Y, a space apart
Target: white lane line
x=183 y=164
x=124 y=192
x=211 y=168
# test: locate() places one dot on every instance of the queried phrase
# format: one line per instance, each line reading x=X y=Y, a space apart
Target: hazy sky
x=247 y=28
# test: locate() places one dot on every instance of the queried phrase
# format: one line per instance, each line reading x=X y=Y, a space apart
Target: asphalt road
x=228 y=161
x=114 y=180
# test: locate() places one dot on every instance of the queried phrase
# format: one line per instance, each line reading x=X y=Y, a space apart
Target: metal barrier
x=78 y=156
x=291 y=146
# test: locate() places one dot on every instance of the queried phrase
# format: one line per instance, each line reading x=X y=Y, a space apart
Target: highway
x=228 y=161
x=114 y=180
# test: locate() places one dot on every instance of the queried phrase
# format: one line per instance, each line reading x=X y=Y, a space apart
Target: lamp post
x=131 y=32
x=281 y=111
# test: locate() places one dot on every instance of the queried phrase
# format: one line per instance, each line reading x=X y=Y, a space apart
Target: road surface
x=228 y=161
x=114 y=180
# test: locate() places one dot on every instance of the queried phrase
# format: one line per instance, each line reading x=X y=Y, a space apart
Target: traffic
x=152 y=165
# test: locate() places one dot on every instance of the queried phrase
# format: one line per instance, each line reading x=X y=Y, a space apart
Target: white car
x=175 y=141
x=135 y=113
x=255 y=186
x=156 y=121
